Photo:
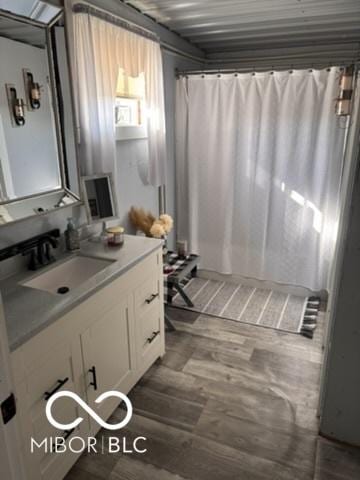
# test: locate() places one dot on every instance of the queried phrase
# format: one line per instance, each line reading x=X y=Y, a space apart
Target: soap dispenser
x=72 y=237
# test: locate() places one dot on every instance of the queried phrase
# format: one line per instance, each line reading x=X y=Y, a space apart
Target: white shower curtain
x=259 y=163
x=100 y=49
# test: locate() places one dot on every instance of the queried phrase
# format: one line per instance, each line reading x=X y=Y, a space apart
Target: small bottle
x=103 y=234
x=72 y=237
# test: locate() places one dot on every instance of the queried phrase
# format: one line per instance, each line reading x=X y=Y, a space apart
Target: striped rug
x=257 y=306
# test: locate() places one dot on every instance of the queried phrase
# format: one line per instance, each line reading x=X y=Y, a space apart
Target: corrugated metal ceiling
x=22 y=32
x=226 y=26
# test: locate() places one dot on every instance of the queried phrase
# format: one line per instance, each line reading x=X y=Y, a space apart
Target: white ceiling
x=226 y=26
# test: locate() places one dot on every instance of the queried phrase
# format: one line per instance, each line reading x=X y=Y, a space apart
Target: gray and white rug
x=257 y=306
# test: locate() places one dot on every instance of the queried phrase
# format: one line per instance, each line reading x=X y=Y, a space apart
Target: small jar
x=115 y=236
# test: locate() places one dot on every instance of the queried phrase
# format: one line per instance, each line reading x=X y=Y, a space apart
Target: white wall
x=132 y=157
x=32 y=148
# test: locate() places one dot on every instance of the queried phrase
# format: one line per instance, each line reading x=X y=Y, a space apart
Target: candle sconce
x=344 y=100
x=32 y=90
x=16 y=106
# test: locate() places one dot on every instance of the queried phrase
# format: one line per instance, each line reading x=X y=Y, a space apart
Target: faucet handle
x=33 y=262
x=50 y=258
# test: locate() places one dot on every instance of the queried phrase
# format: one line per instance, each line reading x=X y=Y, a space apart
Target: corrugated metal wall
x=264 y=32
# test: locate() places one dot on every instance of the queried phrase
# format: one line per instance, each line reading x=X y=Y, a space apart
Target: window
x=130 y=119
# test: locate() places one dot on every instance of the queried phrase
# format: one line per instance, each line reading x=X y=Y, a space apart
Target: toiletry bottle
x=72 y=237
x=103 y=234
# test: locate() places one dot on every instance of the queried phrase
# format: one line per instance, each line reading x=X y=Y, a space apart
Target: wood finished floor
x=228 y=401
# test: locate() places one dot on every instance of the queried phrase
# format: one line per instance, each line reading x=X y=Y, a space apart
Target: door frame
x=11 y=463
x=351 y=162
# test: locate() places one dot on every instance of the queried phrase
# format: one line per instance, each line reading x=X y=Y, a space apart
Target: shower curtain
x=259 y=164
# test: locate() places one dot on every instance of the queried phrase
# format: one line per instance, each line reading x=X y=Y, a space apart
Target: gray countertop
x=28 y=310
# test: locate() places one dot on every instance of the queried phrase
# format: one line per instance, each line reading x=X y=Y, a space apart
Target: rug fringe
x=309 y=322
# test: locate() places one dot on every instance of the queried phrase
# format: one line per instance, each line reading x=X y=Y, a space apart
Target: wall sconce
x=343 y=102
x=16 y=106
x=32 y=90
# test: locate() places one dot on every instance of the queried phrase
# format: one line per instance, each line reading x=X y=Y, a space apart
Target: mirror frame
x=86 y=200
x=56 y=112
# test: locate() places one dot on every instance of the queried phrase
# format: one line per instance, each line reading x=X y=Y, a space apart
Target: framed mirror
x=99 y=199
x=38 y=151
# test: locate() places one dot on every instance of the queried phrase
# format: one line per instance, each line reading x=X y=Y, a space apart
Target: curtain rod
x=290 y=68
x=132 y=27
x=115 y=20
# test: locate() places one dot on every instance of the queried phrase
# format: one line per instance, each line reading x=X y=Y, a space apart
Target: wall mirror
x=38 y=161
x=99 y=199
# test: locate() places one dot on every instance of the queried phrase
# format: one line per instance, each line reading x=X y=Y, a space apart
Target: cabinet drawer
x=147 y=294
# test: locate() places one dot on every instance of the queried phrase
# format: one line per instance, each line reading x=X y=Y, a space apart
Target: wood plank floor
x=228 y=401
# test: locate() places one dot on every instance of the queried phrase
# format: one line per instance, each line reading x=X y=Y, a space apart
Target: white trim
x=130 y=132
x=10 y=451
x=5 y=174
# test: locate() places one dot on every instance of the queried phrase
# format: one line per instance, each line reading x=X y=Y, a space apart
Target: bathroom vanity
x=102 y=335
x=89 y=323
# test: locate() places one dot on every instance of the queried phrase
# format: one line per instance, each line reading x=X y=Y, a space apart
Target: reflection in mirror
x=15 y=211
x=99 y=197
x=28 y=152
x=38 y=152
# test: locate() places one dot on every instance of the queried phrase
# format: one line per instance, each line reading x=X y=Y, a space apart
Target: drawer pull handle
x=151 y=298
x=92 y=370
x=153 y=336
x=60 y=383
x=66 y=435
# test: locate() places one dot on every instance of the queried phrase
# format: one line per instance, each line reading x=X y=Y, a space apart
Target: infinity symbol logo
x=90 y=411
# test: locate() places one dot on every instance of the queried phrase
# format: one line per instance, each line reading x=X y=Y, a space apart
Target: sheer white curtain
x=100 y=49
x=259 y=162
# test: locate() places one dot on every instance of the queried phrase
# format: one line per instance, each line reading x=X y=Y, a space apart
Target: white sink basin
x=68 y=274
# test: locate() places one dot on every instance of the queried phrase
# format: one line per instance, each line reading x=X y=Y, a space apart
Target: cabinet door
x=56 y=370
x=108 y=356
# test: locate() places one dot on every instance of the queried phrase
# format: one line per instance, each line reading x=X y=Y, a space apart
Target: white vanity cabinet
x=105 y=343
